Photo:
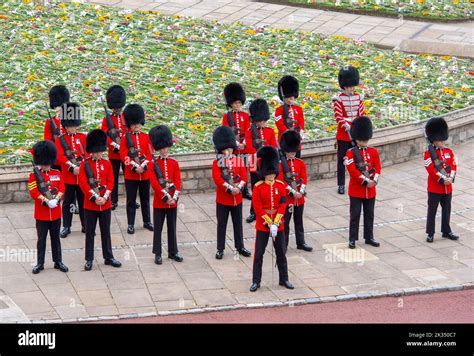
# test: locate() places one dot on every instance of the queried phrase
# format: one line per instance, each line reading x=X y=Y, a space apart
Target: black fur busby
x=259 y=110
x=234 y=92
x=161 y=137
x=436 y=129
x=361 y=128
x=70 y=114
x=348 y=77
x=290 y=141
x=134 y=114
x=224 y=137
x=115 y=97
x=44 y=153
x=58 y=95
x=268 y=161
x=288 y=86
x=96 y=141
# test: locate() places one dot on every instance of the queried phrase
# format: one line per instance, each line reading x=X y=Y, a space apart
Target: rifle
x=112 y=132
x=257 y=142
x=132 y=151
x=166 y=184
x=70 y=154
x=93 y=183
x=289 y=176
x=290 y=123
x=43 y=187
x=226 y=173
x=360 y=164
x=437 y=162
x=237 y=130
x=52 y=125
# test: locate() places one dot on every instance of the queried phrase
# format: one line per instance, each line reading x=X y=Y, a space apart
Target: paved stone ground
x=380 y=30
x=404 y=263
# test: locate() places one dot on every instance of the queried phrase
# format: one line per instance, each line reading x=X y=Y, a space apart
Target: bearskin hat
x=234 y=92
x=348 y=77
x=288 y=86
x=268 y=160
x=436 y=129
x=361 y=128
x=44 y=153
x=134 y=114
x=70 y=114
x=290 y=141
x=259 y=110
x=223 y=138
x=161 y=137
x=115 y=97
x=96 y=141
x=58 y=95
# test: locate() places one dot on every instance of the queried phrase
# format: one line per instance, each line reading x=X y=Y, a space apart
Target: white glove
x=53 y=203
x=346 y=126
x=273 y=230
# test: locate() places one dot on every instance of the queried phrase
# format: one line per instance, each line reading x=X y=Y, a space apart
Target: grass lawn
x=177 y=69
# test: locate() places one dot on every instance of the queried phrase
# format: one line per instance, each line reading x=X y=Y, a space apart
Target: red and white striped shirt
x=346 y=108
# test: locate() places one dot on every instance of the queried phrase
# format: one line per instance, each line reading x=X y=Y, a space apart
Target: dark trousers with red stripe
x=159 y=216
x=342 y=147
x=433 y=201
x=142 y=187
x=261 y=241
x=73 y=192
x=42 y=229
x=356 y=205
x=253 y=180
x=222 y=214
x=116 y=164
x=104 y=218
x=297 y=213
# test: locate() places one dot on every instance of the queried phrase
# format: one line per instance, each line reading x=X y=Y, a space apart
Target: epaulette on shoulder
x=258 y=183
x=336 y=98
x=279 y=181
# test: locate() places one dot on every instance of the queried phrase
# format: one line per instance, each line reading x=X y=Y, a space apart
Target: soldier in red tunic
x=238 y=120
x=135 y=154
x=96 y=180
x=363 y=165
x=46 y=188
x=70 y=147
x=289 y=116
x=257 y=136
x=165 y=179
x=269 y=199
x=230 y=176
x=441 y=166
x=58 y=95
x=116 y=98
x=347 y=106
x=293 y=174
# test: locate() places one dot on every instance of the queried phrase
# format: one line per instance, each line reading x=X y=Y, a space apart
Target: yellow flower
x=196 y=114
x=343 y=38
x=31 y=77
x=449 y=91
x=251 y=32
x=102 y=18
x=8 y=94
x=128 y=17
x=425 y=108
x=446 y=58
x=157 y=33
x=112 y=51
x=264 y=53
x=165 y=92
x=63 y=5
x=155 y=98
x=181 y=40
x=331 y=128
x=4 y=17
x=88 y=31
x=208 y=70
x=9 y=105
x=465 y=88
x=87 y=82
x=367 y=103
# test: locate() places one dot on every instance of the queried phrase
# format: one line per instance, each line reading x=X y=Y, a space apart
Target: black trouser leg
x=222 y=214
x=287 y=219
x=253 y=181
x=236 y=213
x=299 y=228
x=116 y=170
x=342 y=147
x=42 y=228
x=433 y=202
x=158 y=221
x=144 y=190
x=91 y=217
x=261 y=241
x=355 y=210
x=68 y=204
x=446 y=213
x=54 y=230
x=106 y=239
x=369 y=205
x=171 y=217
x=80 y=203
x=280 y=249
x=131 y=187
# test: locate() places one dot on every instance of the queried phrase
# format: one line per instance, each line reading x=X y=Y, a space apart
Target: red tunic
x=47 y=134
x=74 y=142
x=358 y=183
x=266 y=134
x=269 y=203
x=121 y=127
x=299 y=167
x=170 y=169
x=347 y=108
x=242 y=122
x=435 y=179
x=42 y=210
x=102 y=170
x=238 y=166
x=142 y=143
x=294 y=110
